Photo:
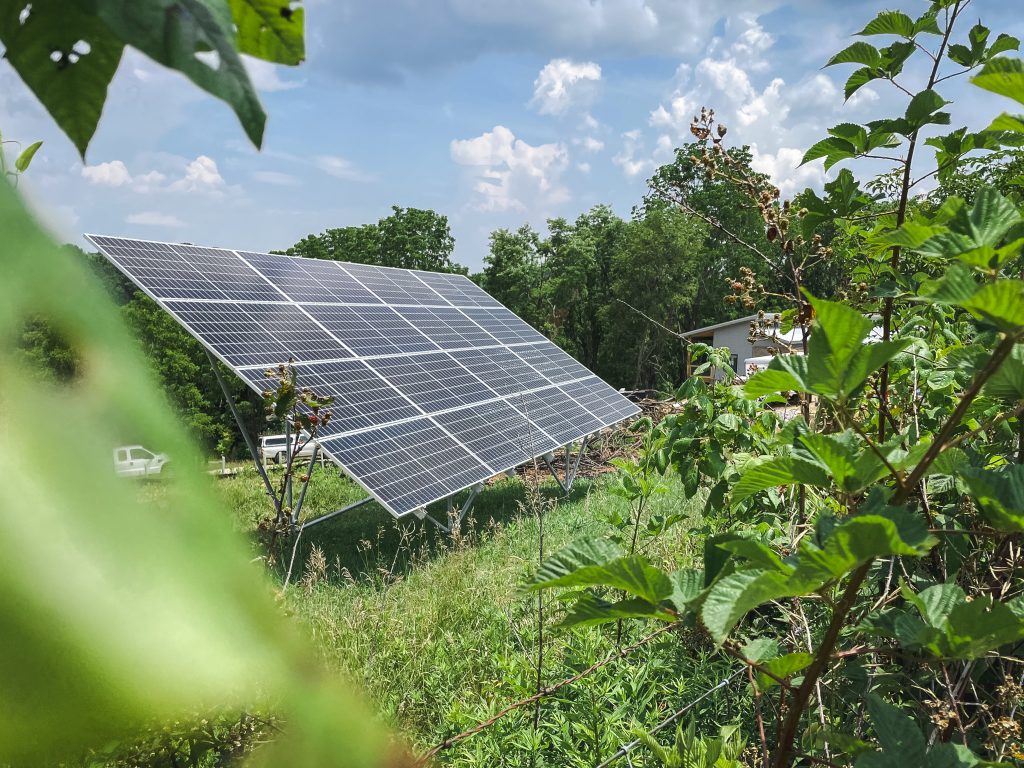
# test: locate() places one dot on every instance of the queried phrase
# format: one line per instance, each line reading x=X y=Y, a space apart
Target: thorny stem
x=901 y=215
x=939 y=444
x=787 y=733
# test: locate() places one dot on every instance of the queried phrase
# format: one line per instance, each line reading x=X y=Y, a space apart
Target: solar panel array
x=437 y=386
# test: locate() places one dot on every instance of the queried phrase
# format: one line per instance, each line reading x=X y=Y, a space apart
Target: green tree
x=577 y=284
x=514 y=271
x=653 y=282
x=730 y=214
x=409 y=238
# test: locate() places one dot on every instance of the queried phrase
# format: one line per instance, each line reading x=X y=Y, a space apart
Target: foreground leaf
x=112 y=611
x=66 y=56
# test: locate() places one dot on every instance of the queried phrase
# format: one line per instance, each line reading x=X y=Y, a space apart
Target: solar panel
x=437 y=386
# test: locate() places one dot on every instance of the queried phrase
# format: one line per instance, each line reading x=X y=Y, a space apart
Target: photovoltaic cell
x=458 y=290
x=552 y=363
x=395 y=286
x=362 y=399
x=497 y=433
x=437 y=386
x=407 y=465
x=549 y=410
x=305 y=280
x=503 y=325
x=448 y=328
x=504 y=371
x=607 y=405
x=435 y=382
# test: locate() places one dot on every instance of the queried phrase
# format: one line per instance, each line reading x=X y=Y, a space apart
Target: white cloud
x=340 y=168
x=116 y=174
x=583 y=167
x=766 y=104
x=589 y=143
x=563 y=84
x=386 y=40
x=154 y=219
x=629 y=158
x=784 y=169
x=201 y=175
x=511 y=174
x=112 y=174
x=267 y=77
x=276 y=177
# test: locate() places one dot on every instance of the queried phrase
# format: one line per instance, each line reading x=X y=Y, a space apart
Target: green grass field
x=439 y=634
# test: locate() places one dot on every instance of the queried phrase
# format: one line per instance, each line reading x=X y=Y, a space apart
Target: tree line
x=615 y=293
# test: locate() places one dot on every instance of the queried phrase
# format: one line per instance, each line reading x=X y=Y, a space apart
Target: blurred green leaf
x=66 y=56
x=114 y=612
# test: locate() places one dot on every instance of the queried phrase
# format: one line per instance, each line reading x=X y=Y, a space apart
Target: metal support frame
x=245 y=433
x=572 y=468
x=455 y=517
x=293 y=519
x=335 y=513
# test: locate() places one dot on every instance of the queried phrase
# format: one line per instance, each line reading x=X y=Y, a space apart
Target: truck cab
x=137 y=461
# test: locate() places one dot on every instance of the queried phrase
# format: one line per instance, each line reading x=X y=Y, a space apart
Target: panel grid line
x=437 y=385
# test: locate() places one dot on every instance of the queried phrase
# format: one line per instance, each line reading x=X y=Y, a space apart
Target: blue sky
x=492 y=113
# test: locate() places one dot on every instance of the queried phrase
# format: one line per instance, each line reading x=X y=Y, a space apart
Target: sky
x=493 y=113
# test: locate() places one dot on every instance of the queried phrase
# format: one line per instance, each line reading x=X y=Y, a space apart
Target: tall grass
x=439 y=634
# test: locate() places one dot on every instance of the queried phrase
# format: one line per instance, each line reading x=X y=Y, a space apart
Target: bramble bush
x=863 y=557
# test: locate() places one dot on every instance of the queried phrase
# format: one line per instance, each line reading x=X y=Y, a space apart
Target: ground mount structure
x=437 y=386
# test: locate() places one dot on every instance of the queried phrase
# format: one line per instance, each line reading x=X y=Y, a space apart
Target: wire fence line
x=626 y=749
x=485 y=724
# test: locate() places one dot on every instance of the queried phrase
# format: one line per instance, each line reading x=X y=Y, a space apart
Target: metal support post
x=571 y=467
x=305 y=484
x=335 y=513
x=288 y=453
x=453 y=519
x=245 y=433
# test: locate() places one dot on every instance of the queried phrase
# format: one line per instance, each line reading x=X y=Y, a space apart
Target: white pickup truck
x=272 y=448
x=136 y=461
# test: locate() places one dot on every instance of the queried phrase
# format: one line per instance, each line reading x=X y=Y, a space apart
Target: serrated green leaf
x=857 y=53
x=687 y=584
x=731 y=597
x=1002 y=44
x=999 y=493
x=1003 y=76
x=974 y=628
x=858 y=540
x=584 y=564
x=1000 y=303
x=1008 y=123
x=784 y=667
x=589 y=610
x=758 y=553
x=66 y=56
x=858 y=79
x=832 y=149
x=923 y=107
x=271 y=30
x=781 y=375
x=1008 y=382
x=898 y=734
x=778 y=471
x=890 y=23
x=568 y=560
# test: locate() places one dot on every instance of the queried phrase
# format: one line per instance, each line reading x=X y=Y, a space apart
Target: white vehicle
x=273 y=448
x=136 y=461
